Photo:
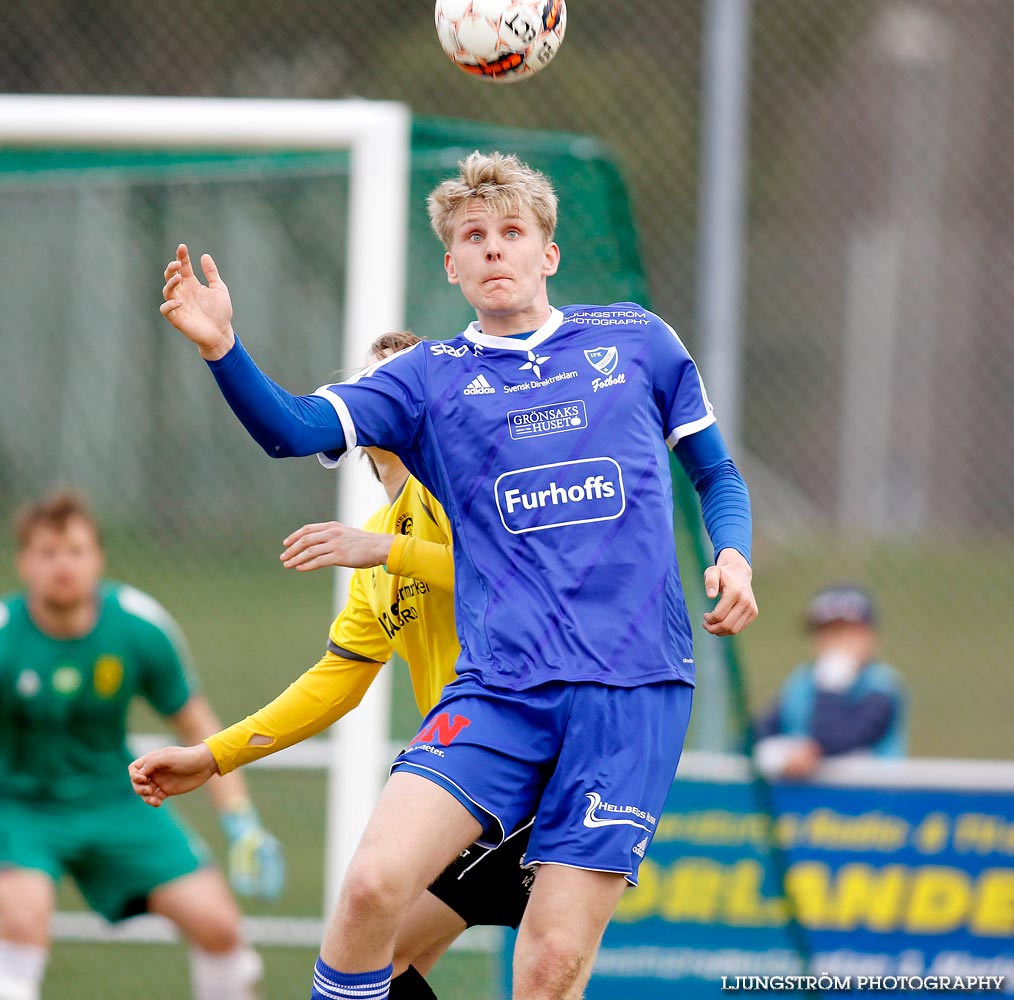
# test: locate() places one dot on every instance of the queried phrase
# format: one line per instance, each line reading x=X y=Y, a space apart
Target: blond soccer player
x=544 y=431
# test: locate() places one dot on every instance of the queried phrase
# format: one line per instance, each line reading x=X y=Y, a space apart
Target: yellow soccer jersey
x=406 y=607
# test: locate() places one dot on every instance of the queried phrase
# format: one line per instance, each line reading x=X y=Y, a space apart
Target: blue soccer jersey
x=548 y=453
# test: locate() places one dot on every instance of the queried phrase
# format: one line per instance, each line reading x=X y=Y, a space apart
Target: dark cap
x=844 y=603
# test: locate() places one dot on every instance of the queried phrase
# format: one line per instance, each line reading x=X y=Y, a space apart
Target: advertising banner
x=896 y=876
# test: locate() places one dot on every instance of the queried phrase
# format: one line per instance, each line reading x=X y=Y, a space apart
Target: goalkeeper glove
x=256 y=861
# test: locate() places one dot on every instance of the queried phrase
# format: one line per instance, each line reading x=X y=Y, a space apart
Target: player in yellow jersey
x=400 y=600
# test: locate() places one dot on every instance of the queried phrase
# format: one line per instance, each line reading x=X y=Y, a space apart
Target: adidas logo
x=641 y=847
x=479 y=387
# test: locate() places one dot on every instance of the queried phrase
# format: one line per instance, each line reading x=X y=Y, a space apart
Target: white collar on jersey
x=474 y=334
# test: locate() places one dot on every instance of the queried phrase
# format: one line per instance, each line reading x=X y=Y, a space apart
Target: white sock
x=21 y=969
x=227 y=975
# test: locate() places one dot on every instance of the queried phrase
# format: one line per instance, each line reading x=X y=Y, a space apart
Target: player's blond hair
x=391 y=343
x=54 y=511
x=506 y=186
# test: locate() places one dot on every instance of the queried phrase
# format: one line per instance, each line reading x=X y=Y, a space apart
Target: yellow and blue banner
x=884 y=878
x=898 y=875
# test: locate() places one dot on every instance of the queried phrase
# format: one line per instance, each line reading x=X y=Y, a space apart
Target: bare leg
x=222 y=967
x=425 y=962
x=27 y=901
x=416 y=830
x=561 y=931
x=203 y=908
x=425 y=934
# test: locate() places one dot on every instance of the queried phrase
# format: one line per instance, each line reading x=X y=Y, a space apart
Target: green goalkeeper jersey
x=64 y=702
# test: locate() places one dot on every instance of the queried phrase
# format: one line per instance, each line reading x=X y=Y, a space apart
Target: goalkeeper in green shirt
x=74 y=651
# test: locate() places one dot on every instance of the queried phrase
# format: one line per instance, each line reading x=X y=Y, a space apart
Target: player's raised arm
x=283 y=424
x=202 y=313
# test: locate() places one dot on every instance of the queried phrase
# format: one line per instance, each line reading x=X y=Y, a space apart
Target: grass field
x=253 y=627
x=140 y=971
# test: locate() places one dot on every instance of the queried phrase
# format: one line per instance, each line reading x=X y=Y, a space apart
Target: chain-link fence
x=879 y=355
x=877 y=367
x=879 y=280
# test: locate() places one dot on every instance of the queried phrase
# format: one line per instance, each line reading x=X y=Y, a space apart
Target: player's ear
x=452 y=271
x=551 y=261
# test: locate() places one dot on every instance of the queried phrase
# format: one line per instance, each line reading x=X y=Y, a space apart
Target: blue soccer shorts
x=593 y=762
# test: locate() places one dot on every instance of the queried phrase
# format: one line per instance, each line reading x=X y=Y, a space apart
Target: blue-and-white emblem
x=533 y=363
x=603 y=359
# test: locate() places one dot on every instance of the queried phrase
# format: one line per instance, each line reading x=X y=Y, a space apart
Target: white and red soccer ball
x=501 y=40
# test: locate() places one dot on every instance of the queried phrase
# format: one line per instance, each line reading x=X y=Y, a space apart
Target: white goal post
x=378 y=137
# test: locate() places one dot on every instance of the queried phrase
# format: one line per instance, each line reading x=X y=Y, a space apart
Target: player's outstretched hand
x=202 y=313
x=334 y=544
x=730 y=581
x=171 y=771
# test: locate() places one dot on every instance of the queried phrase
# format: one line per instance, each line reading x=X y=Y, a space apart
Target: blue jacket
x=870 y=715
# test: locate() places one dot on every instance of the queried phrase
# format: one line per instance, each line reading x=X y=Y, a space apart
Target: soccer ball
x=501 y=40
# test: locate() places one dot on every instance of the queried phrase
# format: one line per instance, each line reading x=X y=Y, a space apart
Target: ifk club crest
x=603 y=359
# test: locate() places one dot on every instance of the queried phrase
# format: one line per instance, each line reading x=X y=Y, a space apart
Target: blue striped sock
x=330 y=984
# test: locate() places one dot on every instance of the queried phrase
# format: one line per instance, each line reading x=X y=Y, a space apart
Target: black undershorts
x=486 y=886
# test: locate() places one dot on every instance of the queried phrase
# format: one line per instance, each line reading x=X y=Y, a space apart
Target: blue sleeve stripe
x=725 y=499
x=284 y=425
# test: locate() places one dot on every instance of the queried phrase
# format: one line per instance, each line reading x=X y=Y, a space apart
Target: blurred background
x=864 y=380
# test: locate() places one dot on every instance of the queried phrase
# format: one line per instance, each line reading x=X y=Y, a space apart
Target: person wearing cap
x=844 y=701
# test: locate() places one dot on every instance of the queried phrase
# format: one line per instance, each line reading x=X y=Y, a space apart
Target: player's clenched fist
x=730 y=580
x=171 y=771
x=203 y=313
